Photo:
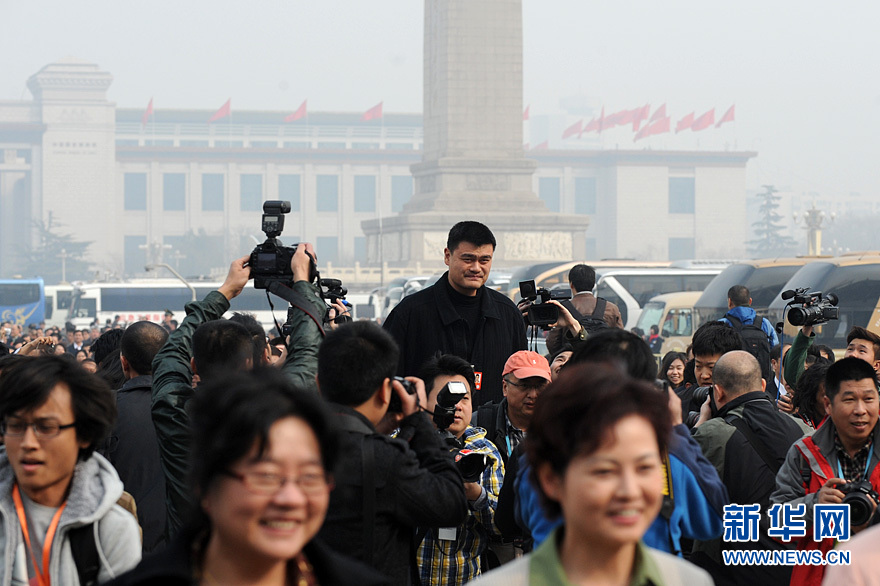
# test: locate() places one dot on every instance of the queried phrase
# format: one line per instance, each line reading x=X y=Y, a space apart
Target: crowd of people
x=433 y=449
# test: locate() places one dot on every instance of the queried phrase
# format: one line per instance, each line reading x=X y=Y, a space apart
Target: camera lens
x=860 y=508
x=797 y=316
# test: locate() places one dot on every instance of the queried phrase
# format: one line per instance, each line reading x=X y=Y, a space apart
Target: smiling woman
x=262 y=479
x=594 y=447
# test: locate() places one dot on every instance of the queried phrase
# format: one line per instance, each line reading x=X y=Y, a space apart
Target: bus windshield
x=22 y=301
x=651 y=314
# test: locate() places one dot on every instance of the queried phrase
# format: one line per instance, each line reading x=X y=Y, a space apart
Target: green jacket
x=172 y=388
x=793 y=364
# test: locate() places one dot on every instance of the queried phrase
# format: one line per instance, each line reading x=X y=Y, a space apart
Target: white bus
x=148 y=299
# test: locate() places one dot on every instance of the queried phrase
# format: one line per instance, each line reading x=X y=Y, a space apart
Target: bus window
x=695 y=282
x=22 y=301
x=644 y=287
x=679 y=322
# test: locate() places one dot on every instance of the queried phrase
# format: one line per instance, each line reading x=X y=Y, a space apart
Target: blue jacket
x=698 y=494
x=747 y=316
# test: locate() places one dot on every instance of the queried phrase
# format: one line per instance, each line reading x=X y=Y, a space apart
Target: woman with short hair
x=595 y=445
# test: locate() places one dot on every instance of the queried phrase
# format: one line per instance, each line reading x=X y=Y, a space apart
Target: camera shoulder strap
x=296 y=300
x=567 y=304
x=599 y=310
x=760 y=447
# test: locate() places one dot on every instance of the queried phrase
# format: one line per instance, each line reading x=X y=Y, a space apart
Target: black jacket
x=174 y=566
x=134 y=451
x=747 y=478
x=415 y=484
x=426 y=322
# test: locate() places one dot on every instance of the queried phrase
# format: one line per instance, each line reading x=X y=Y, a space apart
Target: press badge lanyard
x=867 y=464
x=42 y=579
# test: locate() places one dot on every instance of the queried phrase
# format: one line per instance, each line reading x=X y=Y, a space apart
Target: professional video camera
x=469 y=463
x=540 y=312
x=270 y=261
x=861 y=498
x=814 y=311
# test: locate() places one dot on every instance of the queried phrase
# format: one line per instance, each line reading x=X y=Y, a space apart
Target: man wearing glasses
x=525 y=375
x=56 y=495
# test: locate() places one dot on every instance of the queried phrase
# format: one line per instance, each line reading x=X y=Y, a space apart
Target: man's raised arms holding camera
x=207 y=345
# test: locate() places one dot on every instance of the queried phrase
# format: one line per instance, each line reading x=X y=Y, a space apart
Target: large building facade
x=187 y=192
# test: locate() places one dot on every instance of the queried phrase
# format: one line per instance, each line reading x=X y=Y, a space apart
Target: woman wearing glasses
x=58 y=498
x=261 y=473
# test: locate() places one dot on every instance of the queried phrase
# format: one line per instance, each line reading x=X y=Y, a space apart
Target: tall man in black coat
x=460 y=315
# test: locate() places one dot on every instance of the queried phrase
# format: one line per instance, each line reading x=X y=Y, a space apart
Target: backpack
x=593 y=322
x=754 y=342
x=85 y=550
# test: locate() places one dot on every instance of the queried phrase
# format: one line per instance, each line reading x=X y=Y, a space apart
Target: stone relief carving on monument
x=391 y=247
x=434 y=243
x=488 y=182
x=537 y=245
x=427 y=184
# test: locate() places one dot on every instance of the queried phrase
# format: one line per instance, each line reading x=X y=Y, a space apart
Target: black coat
x=415 y=484
x=134 y=451
x=426 y=322
x=174 y=566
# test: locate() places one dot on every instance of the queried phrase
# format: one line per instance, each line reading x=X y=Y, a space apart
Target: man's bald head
x=737 y=373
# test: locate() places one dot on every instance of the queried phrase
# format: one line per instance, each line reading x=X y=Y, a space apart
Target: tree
x=769 y=238
x=55 y=254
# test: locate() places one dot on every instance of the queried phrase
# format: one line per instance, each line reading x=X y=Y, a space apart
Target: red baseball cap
x=525 y=364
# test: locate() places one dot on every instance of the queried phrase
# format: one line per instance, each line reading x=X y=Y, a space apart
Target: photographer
x=842 y=454
x=385 y=487
x=860 y=343
x=207 y=345
x=452 y=555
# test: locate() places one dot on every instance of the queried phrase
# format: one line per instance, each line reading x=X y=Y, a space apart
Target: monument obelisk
x=473 y=165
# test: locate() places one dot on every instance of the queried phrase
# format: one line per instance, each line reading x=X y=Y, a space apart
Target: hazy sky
x=804 y=77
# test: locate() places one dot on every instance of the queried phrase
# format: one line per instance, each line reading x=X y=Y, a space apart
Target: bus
x=22 y=301
x=147 y=299
x=628 y=287
x=673 y=313
x=764 y=278
x=58 y=298
x=855 y=279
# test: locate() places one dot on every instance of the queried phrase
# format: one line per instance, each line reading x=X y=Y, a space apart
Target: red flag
x=526 y=113
x=728 y=116
x=300 y=113
x=704 y=121
x=224 y=111
x=592 y=125
x=543 y=146
x=147 y=113
x=685 y=123
x=659 y=126
x=573 y=129
x=620 y=118
x=373 y=113
x=640 y=114
x=658 y=114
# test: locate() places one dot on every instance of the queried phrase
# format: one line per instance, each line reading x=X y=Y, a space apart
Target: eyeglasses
x=269 y=483
x=43 y=428
x=537 y=387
